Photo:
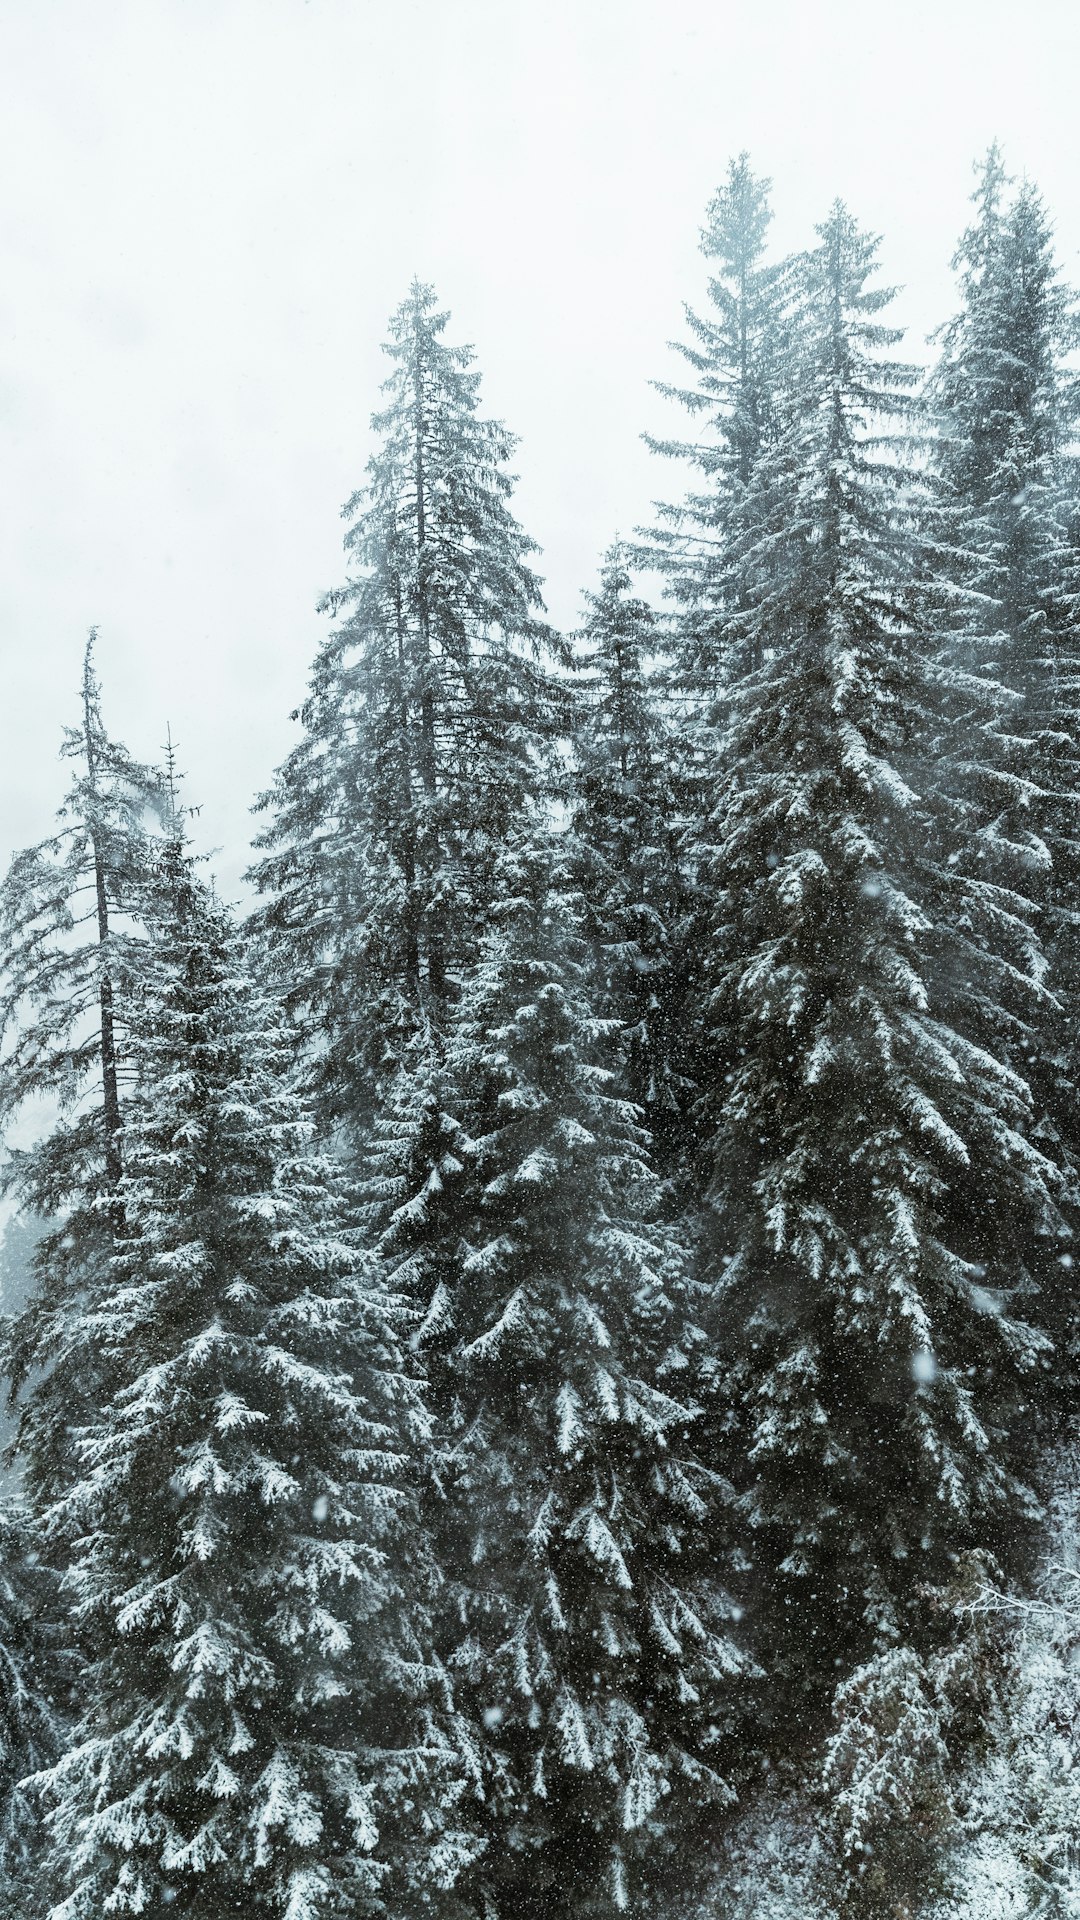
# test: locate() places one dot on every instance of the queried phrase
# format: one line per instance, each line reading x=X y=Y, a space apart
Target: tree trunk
x=408 y=830
x=110 y=1092
x=436 y=952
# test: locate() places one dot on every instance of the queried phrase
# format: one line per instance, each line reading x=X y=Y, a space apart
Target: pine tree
x=1008 y=580
x=258 y=1724
x=428 y=709
x=708 y=550
x=65 y=909
x=739 y=354
x=18 y=1245
x=892 y=1795
x=626 y=821
x=1016 y=1850
x=875 y=1183
x=585 y=1620
x=70 y=939
x=32 y=1684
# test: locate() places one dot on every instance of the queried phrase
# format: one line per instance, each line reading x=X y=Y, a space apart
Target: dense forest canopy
x=543 y=1361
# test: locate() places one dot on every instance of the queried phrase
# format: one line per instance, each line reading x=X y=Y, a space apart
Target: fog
x=209 y=208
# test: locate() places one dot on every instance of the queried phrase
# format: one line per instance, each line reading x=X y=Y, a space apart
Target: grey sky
x=209 y=207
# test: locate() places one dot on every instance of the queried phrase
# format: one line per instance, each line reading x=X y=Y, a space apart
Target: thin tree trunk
x=436 y=952
x=408 y=831
x=110 y=1100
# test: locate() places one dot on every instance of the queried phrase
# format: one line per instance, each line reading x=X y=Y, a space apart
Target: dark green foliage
x=642 y=1411
x=739 y=354
x=871 y=1352
x=70 y=944
x=428 y=711
x=35 y=1671
x=1006 y=580
x=257 y=1714
x=589 y=1641
x=66 y=910
x=626 y=821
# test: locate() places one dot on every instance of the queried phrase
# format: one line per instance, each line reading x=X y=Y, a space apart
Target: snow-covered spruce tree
x=34 y=1674
x=18 y=1245
x=890 y=1792
x=427 y=706
x=1017 y=1850
x=874 y=1178
x=69 y=942
x=257 y=1730
x=739 y=354
x=585 y=1619
x=625 y=821
x=61 y=947
x=1008 y=579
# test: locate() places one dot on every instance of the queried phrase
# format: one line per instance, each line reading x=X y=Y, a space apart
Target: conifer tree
x=875 y=1180
x=1007 y=578
x=626 y=822
x=18 y=1245
x=739 y=354
x=257 y=1726
x=65 y=918
x=1016 y=1848
x=33 y=1673
x=590 y=1637
x=706 y=547
x=70 y=938
x=892 y=1787
x=428 y=708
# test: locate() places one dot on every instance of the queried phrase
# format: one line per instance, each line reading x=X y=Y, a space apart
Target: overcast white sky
x=208 y=208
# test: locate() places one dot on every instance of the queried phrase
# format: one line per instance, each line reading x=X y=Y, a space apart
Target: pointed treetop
x=977 y=242
x=91 y=698
x=739 y=217
x=174 y=811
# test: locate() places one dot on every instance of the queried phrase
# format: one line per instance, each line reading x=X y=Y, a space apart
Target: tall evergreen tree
x=1016 y=1846
x=707 y=547
x=65 y=919
x=34 y=1675
x=590 y=1634
x=738 y=354
x=1006 y=408
x=875 y=1180
x=428 y=709
x=626 y=821
x=257 y=1727
x=70 y=939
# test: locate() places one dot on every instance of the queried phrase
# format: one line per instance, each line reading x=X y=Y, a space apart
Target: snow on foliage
x=568 y=1503
x=543 y=1380
x=255 y=1707
x=429 y=714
